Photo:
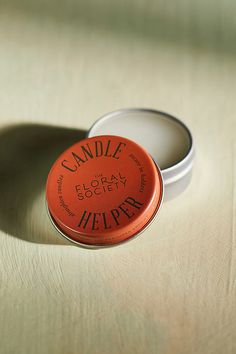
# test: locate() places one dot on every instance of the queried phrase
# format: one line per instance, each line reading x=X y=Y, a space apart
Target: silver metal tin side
x=177 y=175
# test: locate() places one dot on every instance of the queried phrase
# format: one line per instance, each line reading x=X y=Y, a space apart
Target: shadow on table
x=195 y=24
x=27 y=152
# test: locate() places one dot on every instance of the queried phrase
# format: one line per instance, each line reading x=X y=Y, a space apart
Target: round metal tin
x=103 y=191
x=166 y=138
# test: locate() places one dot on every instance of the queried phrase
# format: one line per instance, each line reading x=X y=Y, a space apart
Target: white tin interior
x=165 y=137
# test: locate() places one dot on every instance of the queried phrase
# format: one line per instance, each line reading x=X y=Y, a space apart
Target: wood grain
x=173 y=289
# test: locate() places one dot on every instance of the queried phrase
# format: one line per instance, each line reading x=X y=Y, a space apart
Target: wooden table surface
x=172 y=290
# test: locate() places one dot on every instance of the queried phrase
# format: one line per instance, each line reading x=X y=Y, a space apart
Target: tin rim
x=171 y=170
x=135 y=235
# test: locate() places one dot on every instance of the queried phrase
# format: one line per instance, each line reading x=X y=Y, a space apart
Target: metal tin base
x=151 y=126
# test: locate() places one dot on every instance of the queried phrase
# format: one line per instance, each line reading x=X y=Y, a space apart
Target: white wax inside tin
x=166 y=140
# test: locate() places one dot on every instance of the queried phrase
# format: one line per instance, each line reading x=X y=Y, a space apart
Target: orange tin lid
x=103 y=190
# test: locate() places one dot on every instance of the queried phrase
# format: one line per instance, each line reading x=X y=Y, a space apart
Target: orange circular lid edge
x=103 y=190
